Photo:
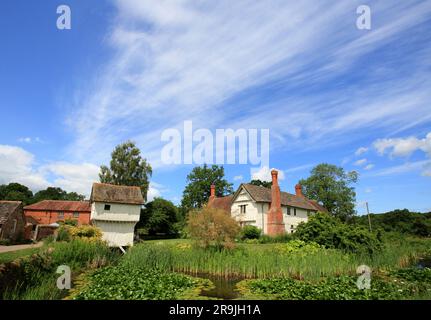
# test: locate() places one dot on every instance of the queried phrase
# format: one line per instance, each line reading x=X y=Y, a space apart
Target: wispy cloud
x=182 y=60
x=361 y=151
x=403 y=168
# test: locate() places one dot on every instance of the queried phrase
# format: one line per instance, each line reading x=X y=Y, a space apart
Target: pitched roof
x=103 y=192
x=7 y=208
x=223 y=203
x=60 y=205
x=262 y=194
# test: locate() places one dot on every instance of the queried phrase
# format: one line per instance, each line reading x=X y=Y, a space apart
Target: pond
x=424 y=263
x=224 y=287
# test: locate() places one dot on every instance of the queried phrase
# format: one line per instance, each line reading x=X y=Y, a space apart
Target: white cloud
x=369 y=166
x=153 y=192
x=402 y=147
x=29 y=140
x=360 y=151
x=17 y=165
x=264 y=174
x=360 y=162
x=368 y=190
x=404 y=168
x=238 y=178
x=166 y=69
x=73 y=177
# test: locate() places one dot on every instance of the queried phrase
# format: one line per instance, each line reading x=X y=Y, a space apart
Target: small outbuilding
x=12 y=220
x=116 y=210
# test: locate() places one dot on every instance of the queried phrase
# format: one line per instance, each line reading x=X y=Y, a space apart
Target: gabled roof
x=60 y=205
x=7 y=208
x=223 y=203
x=103 y=192
x=262 y=194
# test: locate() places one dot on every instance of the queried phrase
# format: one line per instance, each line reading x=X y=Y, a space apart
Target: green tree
x=331 y=186
x=128 y=168
x=53 y=193
x=158 y=216
x=16 y=192
x=199 y=181
x=257 y=182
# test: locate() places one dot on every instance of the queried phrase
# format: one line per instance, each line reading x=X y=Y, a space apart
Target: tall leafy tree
x=257 y=182
x=332 y=186
x=128 y=168
x=158 y=216
x=53 y=193
x=16 y=192
x=199 y=181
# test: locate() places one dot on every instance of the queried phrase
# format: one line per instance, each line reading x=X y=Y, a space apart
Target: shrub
x=212 y=227
x=63 y=233
x=298 y=246
x=86 y=232
x=332 y=233
x=250 y=232
x=5 y=242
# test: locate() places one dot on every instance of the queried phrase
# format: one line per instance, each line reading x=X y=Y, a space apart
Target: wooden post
x=368 y=213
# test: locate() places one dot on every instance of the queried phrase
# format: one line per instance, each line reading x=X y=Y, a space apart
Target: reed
x=264 y=261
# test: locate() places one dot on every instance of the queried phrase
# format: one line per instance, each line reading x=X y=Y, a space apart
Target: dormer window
x=243 y=208
x=107 y=207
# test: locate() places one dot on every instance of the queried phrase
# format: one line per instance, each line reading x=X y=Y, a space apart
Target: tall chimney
x=212 y=195
x=275 y=214
x=298 y=190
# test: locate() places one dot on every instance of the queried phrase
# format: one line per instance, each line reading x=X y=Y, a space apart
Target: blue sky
x=130 y=69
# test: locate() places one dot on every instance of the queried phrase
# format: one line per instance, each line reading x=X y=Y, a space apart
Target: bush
x=85 y=232
x=332 y=233
x=212 y=228
x=250 y=232
x=63 y=233
x=5 y=242
x=286 y=237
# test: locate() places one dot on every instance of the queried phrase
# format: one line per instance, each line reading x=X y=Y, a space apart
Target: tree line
x=328 y=184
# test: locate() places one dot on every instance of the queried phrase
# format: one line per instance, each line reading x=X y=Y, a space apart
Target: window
x=242 y=208
x=288 y=211
x=107 y=207
x=61 y=215
x=294 y=211
x=76 y=214
x=14 y=225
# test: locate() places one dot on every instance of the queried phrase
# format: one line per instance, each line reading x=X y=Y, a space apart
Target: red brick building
x=52 y=211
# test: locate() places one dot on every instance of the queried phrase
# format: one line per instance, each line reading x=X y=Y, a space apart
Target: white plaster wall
x=118 y=212
x=256 y=213
x=117 y=224
x=116 y=233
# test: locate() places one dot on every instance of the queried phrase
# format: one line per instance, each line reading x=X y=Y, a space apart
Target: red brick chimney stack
x=298 y=190
x=275 y=214
x=212 y=195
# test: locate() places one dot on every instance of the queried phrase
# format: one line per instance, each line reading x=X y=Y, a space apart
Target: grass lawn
x=10 y=256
